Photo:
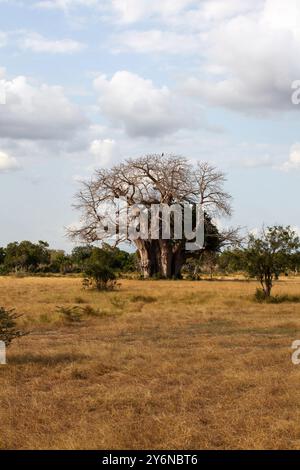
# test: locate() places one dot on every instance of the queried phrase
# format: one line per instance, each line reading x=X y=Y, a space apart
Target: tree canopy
x=270 y=253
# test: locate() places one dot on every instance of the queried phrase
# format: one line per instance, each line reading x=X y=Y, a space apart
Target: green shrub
x=100 y=277
x=8 y=326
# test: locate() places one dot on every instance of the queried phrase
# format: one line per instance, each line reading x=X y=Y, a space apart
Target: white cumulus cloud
x=136 y=105
x=293 y=162
x=7 y=163
x=37 y=111
x=255 y=57
x=105 y=151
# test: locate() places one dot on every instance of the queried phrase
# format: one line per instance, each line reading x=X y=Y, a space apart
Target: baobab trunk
x=146 y=259
x=160 y=258
x=178 y=260
x=166 y=255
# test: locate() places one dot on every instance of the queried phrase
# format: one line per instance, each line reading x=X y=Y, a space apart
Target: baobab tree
x=149 y=180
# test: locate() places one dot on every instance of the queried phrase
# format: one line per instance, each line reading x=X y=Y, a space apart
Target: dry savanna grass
x=156 y=364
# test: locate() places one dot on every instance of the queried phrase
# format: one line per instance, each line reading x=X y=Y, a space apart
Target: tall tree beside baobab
x=148 y=180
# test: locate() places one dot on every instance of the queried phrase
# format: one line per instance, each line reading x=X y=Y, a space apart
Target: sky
x=88 y=83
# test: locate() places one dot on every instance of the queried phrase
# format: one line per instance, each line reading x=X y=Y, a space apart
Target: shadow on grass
x=148 y=299
x=279 y=299
x=46 y=360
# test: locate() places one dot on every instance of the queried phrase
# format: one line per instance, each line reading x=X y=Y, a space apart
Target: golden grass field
x=201 y=366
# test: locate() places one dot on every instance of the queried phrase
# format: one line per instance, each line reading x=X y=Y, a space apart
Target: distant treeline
x=272 y=256
x=38 y=257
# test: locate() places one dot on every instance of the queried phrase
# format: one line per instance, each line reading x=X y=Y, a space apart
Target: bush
x=8 y=326
x=100 y=277
x=260 y=296
x=70 y=314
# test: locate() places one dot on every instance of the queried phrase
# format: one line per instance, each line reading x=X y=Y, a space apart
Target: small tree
x=99 y=276
x=8 y=326
x=270 y=254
